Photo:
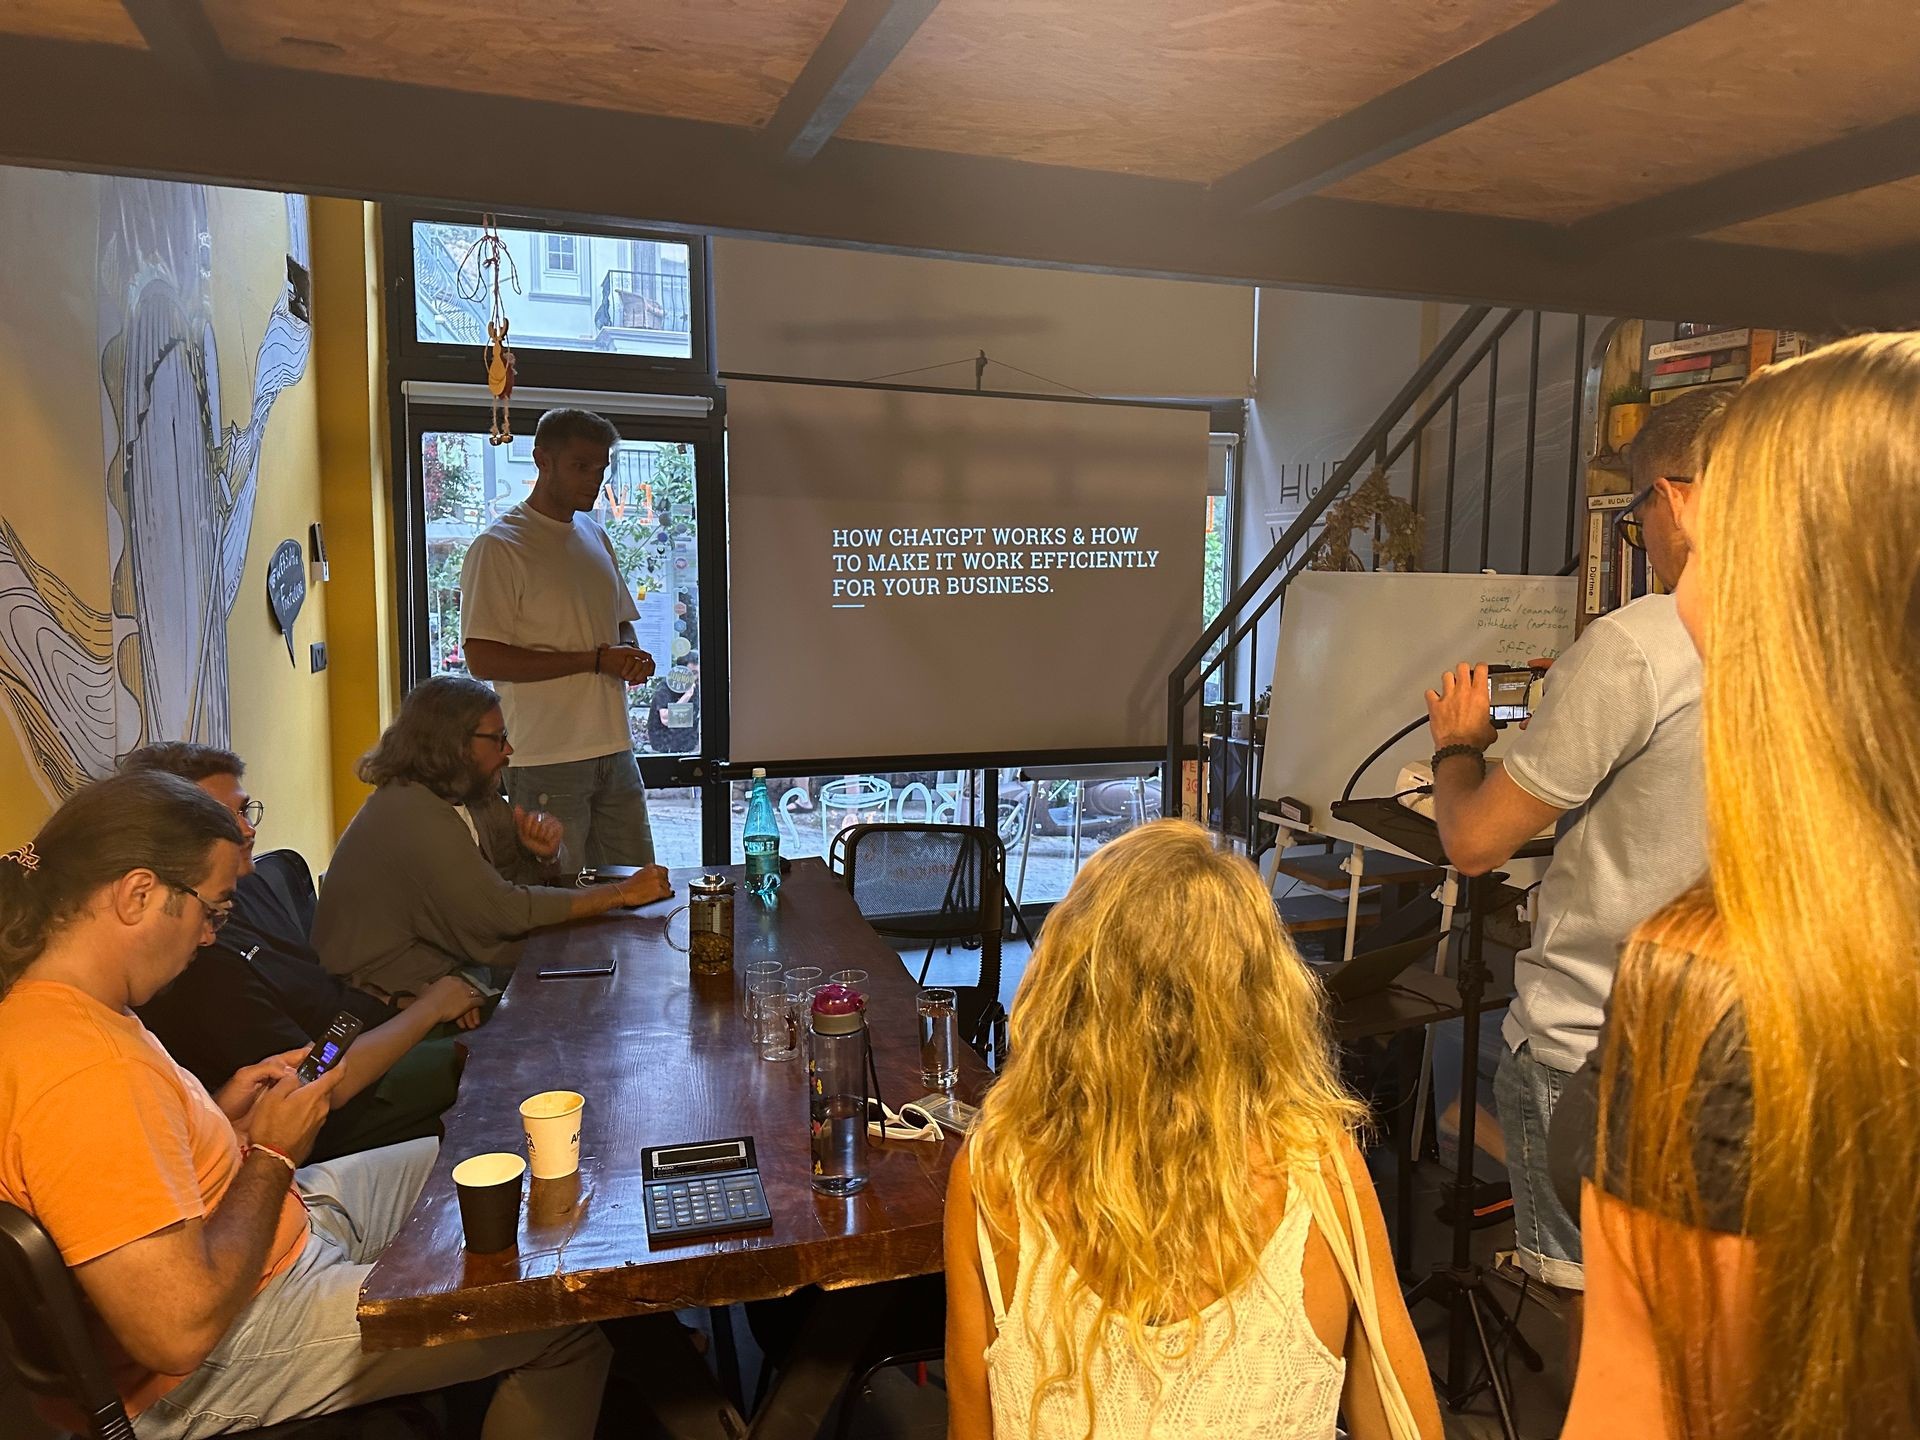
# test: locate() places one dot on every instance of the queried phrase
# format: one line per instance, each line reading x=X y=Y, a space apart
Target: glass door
x=651 y=508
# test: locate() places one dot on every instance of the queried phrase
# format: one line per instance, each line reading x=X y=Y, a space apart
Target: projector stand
x=1460 y=1285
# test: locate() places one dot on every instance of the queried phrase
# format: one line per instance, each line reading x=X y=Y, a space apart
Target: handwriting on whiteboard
x=1528 y=627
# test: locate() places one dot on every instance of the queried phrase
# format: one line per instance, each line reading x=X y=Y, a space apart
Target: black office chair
x=291 y=879
x=936 y=883
x=44 y=1339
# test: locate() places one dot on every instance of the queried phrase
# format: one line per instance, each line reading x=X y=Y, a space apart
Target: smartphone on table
x=331 y=1047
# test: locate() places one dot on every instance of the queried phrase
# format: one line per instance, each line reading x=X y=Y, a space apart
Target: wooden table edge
x=546 y=1302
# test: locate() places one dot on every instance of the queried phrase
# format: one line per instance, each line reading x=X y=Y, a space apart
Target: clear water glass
x=755 y=970
x=802 y=978
x=939 y=1011
x=854 y=979
x=777 y=1026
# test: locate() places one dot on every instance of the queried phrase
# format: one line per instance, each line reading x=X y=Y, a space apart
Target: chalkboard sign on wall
x=287 y=588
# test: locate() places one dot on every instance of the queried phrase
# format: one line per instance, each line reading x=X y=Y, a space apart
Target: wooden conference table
x=664 y=1057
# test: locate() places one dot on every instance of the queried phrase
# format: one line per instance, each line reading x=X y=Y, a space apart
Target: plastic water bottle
x=762 y=841
x=837 y=1089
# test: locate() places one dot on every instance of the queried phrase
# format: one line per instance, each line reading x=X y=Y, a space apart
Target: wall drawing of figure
x=82 y=688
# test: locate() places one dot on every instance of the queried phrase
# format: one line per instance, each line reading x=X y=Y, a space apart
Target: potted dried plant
x=1627 y=411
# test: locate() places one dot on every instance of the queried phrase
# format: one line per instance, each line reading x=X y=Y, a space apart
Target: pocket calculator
x=707 y=1188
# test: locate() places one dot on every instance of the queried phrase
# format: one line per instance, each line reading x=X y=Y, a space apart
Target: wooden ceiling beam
x=1566 y=39
x=182 y=38
x=864 y=39
x=333 y=135
x=1876 y=156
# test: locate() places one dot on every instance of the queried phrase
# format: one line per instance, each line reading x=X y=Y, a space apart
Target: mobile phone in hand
x=331 y=1047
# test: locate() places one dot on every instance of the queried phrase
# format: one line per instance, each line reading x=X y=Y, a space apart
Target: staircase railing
x=1397 y=432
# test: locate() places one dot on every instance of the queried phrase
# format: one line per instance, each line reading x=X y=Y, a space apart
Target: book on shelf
x=1696 y=344
x=1592 y=581
x=1609 y=502
x=1789 y=343
x=1661 y=397
x=1683 y=363
x=1735 y=369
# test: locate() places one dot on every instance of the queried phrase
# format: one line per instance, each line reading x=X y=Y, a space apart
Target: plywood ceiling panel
x=103 y=22
x=1181 y=89
x=1763 y=79
x=728 y=61
x=1856 y=224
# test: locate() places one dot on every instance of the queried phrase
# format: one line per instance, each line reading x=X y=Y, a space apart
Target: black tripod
x=1460 y=1285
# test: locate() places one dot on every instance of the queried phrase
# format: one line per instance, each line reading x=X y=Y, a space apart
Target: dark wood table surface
x=663 y=1057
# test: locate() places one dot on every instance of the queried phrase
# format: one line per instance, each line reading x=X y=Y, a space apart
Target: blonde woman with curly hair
x=1752 y=1210
x=1133 y=1248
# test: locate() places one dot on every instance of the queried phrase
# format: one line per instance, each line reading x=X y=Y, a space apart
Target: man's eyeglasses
x=499 y=737
x=1632 y=524
x=217 y=915
x=253 y=812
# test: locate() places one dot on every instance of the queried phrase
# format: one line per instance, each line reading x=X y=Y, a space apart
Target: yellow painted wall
x=52 y=487
x=356 y=498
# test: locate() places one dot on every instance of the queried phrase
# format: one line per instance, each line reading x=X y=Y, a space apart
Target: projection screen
x=917 y=574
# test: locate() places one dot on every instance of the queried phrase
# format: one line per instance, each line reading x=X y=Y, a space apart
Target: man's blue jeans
x=600 y=804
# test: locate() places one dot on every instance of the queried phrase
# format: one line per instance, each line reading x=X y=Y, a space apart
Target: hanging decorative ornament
x=492 y=267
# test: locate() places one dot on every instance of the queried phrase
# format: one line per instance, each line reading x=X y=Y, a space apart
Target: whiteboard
x=1357 y=653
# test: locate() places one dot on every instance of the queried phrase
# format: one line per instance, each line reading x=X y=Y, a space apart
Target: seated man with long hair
x=436 y=873
x=1135 y=1242
x=1753 y=1195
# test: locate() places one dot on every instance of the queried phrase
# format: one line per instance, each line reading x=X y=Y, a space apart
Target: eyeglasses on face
x=499 y=737
x=1632 y=523
x=217 y=915
x=253 y=812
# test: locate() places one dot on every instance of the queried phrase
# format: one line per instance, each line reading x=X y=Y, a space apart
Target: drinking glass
x=756 y=970
x=802 y=978
x=777 y=1022
x=939 y=1011
x=856 y=979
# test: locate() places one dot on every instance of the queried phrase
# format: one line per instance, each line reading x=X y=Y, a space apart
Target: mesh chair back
x=933 y=883
x=47 y=1344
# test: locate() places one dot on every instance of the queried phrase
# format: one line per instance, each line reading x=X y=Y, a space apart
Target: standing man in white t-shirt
x=1611 y=757
x=546 y=615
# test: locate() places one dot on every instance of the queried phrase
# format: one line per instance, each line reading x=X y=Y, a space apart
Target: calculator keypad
x=705 y=1205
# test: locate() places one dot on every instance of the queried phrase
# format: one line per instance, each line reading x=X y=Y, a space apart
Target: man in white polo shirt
x=1612 y=754
x=546 y=615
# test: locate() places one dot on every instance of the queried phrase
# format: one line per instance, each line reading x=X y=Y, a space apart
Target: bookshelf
x=1668 y=361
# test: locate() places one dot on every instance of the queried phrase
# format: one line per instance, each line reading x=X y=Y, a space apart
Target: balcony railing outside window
x=645 y=300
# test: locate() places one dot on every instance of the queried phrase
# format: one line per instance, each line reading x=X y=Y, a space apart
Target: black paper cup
x=489 y=1189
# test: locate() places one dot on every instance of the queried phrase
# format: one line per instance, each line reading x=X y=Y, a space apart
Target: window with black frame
x=614 y=322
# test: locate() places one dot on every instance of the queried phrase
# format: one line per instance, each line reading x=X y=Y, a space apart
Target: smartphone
x=1510 y=694
x=576 y=972
x=954 y=1116
x=332 y=1045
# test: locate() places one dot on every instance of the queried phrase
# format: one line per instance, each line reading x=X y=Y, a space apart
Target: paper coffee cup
x=489 y=1190
x=552 y=1121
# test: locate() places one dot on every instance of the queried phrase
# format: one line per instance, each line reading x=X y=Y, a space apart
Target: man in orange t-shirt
x=185 y=1217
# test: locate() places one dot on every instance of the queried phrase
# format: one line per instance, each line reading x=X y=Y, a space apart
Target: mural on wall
x=83 y=687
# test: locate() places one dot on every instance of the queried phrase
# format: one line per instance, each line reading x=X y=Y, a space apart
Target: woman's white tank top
x=1259 y=1371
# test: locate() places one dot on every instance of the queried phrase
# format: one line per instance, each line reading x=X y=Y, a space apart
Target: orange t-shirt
x=104 y=1141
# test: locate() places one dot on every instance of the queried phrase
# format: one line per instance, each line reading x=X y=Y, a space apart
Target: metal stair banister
x=1372 y=441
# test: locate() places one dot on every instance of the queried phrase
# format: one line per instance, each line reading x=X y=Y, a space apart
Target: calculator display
x=720 y=1155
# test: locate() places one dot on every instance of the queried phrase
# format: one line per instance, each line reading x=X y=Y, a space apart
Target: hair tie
x=26 y=857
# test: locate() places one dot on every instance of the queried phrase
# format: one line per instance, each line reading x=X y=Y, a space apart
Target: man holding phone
x=260 y=989
x=222 y=1273
x=1612 y=753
